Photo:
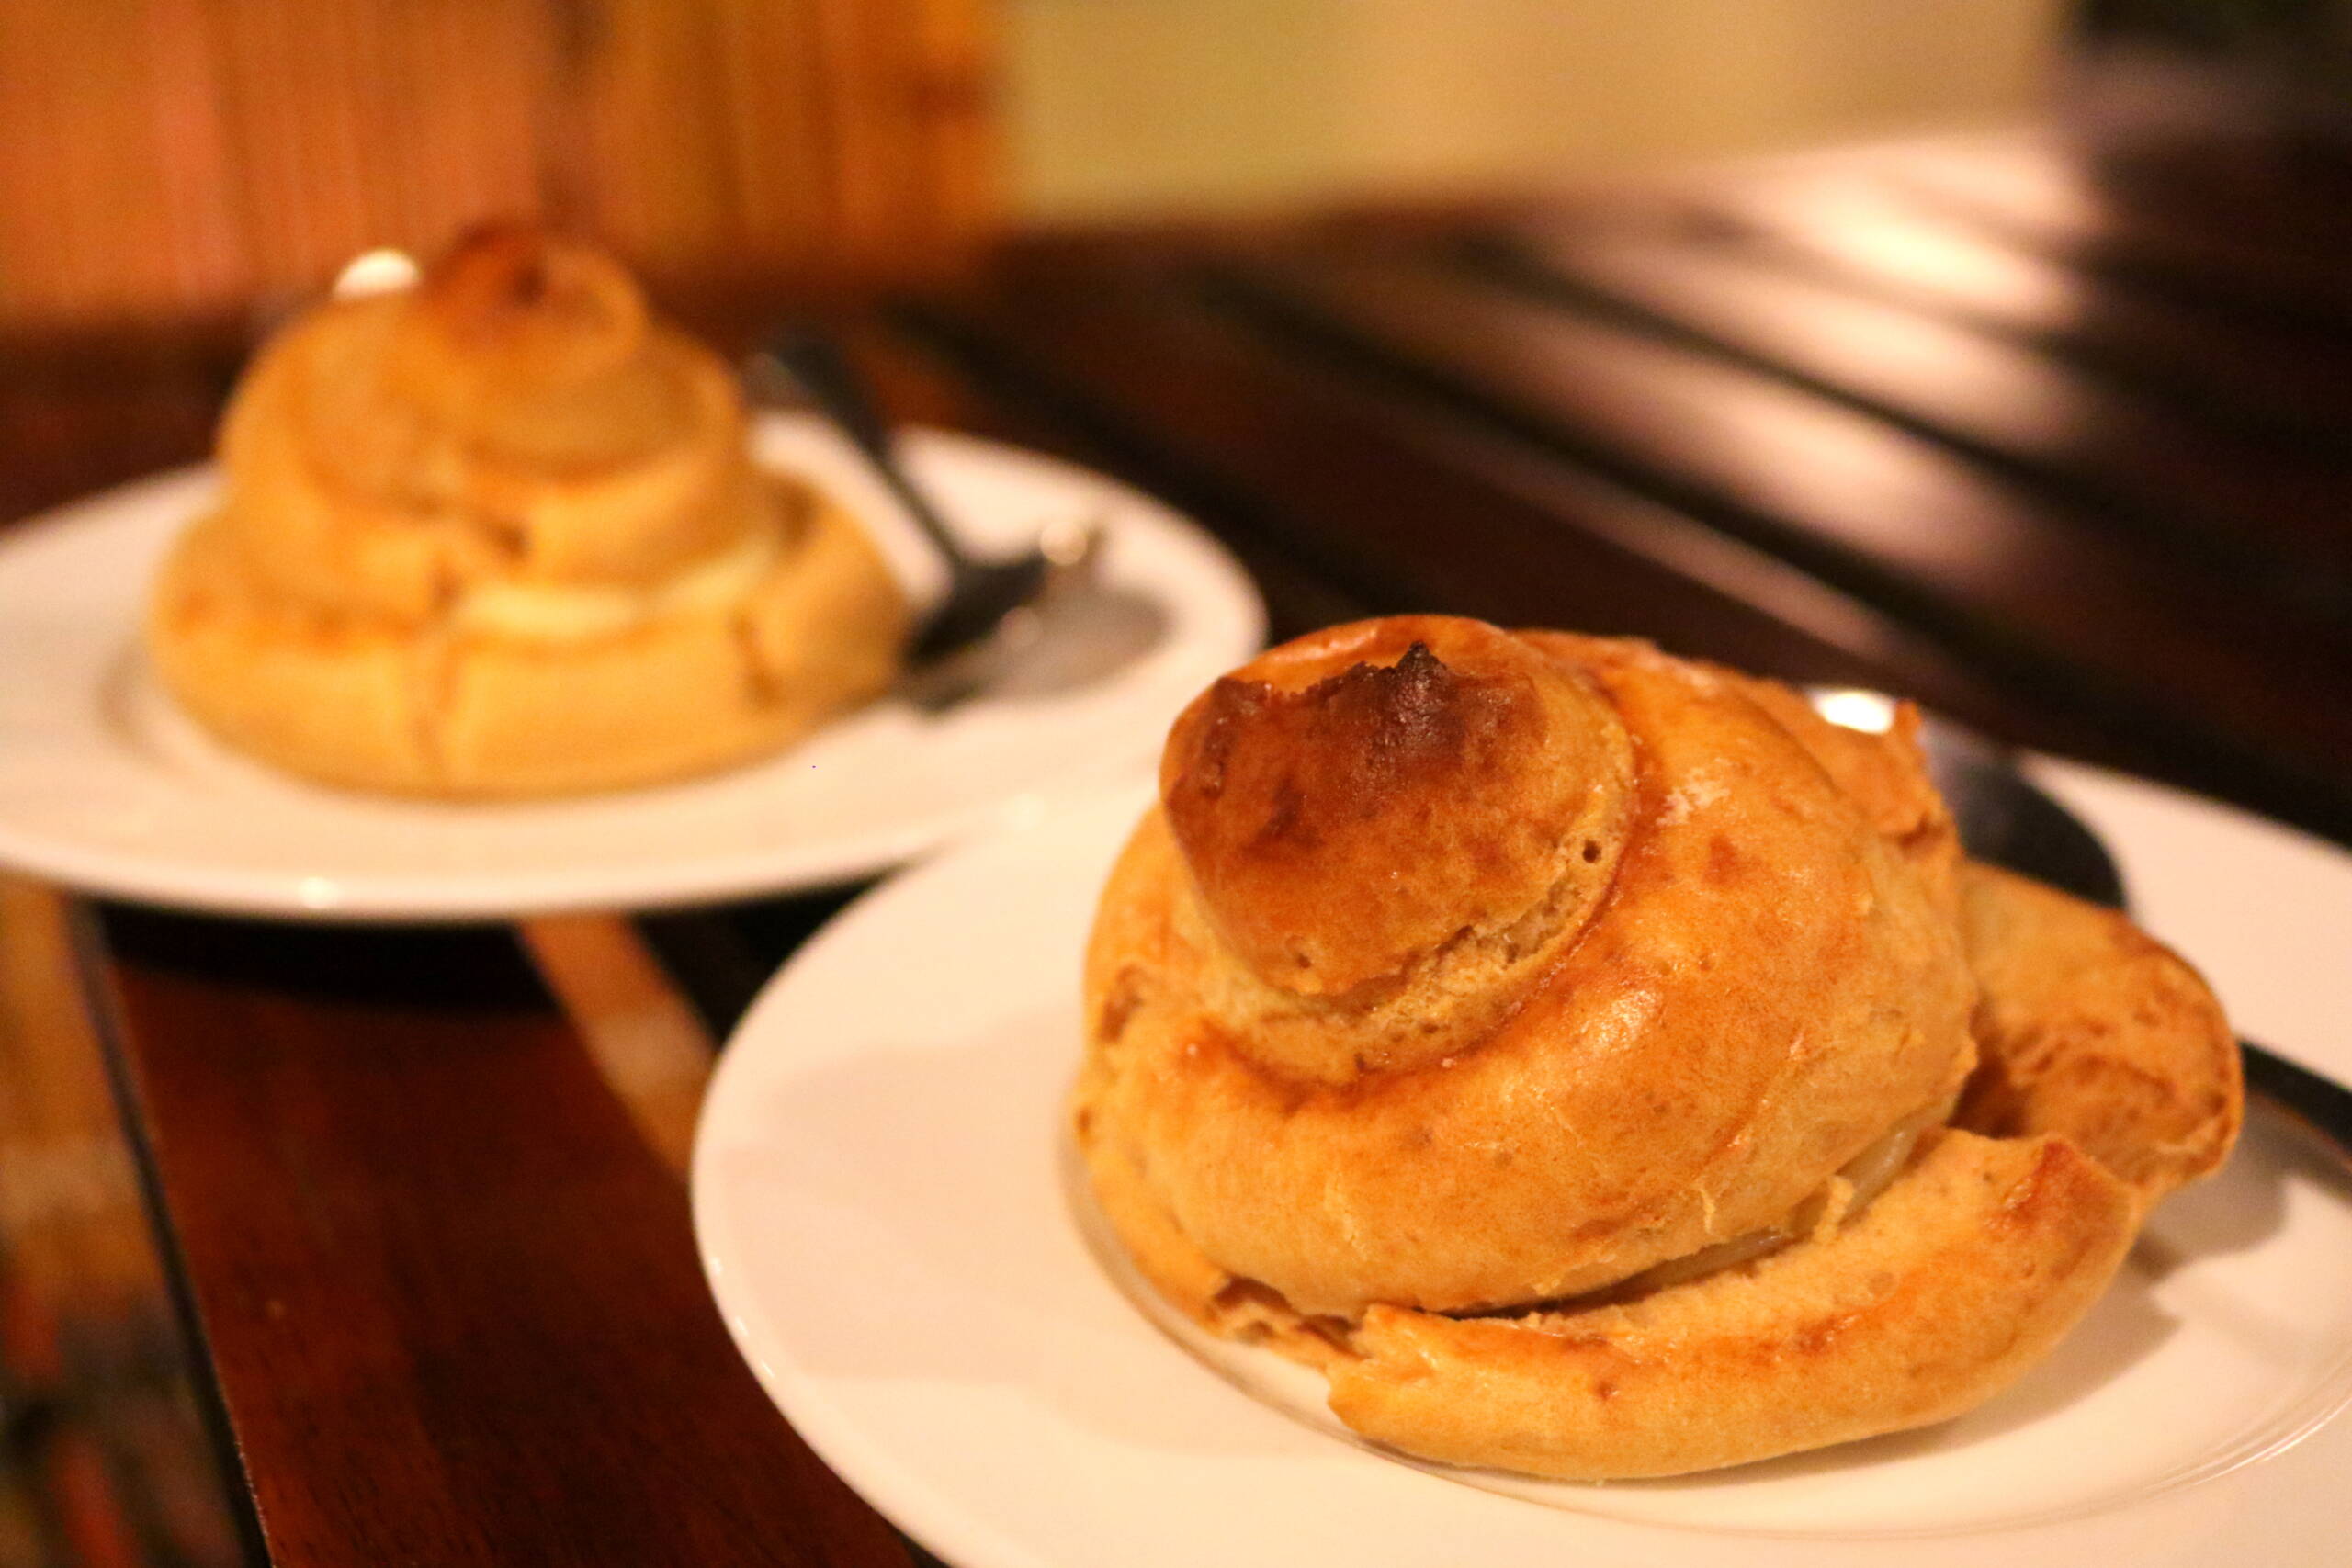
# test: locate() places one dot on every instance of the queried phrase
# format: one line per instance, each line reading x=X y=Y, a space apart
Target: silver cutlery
x=986 y=598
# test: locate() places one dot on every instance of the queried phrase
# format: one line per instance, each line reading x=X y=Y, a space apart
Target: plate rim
x=386 y=898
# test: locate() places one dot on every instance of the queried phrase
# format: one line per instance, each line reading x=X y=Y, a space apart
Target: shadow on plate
x=895 y=1177
x=1070 y=641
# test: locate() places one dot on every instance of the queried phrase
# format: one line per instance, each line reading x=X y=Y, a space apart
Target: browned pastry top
x=516 y=417
x=1354 y=804
x=1462 y=968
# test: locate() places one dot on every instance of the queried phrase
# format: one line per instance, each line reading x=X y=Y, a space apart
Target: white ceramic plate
x=886 y=1209
x=104 y=785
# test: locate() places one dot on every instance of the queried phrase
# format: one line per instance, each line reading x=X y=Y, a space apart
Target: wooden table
x=2060 y=445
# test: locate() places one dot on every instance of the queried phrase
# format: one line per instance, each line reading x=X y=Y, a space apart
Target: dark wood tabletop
x=339 y=1245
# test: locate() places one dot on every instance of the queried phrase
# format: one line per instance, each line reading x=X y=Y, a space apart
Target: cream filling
x=541 y=612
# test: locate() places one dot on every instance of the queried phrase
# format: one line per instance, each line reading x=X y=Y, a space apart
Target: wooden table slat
x=1913 y=528
x=2042 y=198
x=450 y=1294
x=2250 y=378
x=2290 y=195
x=648 y=1045
x=2273 y=519
x=1420 y=510
x=98 y=1390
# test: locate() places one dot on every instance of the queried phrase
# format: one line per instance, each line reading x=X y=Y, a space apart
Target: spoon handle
x=2323 y=1104
x=818 y=367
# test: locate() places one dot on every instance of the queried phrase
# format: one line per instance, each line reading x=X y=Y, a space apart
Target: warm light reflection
x=1937 y=360
x=2052 y=195
x=1921 y=254
x=375 y=272
x=1870 y=712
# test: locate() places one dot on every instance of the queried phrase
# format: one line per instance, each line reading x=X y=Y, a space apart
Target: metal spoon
x=981 y=594
x=2008 y=820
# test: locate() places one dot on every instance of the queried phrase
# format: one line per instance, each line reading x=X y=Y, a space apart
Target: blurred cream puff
x=500 y=535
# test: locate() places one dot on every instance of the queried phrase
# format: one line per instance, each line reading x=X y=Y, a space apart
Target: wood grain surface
x=448 y=1290
x=1980 y=395
x=103 y=1458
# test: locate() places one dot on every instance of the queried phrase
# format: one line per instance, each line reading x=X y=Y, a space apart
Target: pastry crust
x=1965 y=1273
x=502 y=536
x=1736 y=994
x=2096 y=1032
x=1514 y=1253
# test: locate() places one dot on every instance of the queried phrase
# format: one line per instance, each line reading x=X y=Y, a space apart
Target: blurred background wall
x=1120 y=106
x=167 y=158
x=186 y=157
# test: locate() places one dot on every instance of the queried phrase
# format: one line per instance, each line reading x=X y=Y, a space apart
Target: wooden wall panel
x=165 y=158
